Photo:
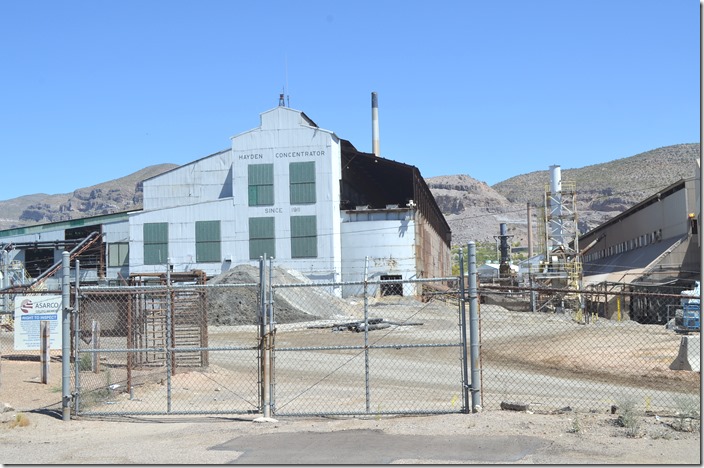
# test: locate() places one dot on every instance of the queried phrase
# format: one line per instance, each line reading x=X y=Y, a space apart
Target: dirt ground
x=33 y=431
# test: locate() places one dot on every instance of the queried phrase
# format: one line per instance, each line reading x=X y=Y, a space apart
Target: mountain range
x=472 y=208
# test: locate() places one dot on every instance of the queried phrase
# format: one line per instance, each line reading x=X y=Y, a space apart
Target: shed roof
x=627 y=267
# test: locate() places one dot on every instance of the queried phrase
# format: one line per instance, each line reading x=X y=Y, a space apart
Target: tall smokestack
x=375 y=124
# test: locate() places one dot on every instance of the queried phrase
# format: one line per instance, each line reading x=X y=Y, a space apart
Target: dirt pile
x=234 y=298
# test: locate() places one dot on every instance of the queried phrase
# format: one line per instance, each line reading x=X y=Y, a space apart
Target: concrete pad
x=364 y=446
x=689 y=356
x=263 y=419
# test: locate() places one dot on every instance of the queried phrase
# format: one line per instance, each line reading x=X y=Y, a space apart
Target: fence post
x=5 y=284
x=262 y=320
x=463 y=328
x=265 y=345
x=95 y=345
x=76 y=335
x=66 y=337
x=474 y=326
x=169 y=369
x=266 y=408
x=270 y=336
x=44 y=330
x=5 y=301
x=367 y=393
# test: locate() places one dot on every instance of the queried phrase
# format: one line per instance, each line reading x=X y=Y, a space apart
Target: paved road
x=361 y=446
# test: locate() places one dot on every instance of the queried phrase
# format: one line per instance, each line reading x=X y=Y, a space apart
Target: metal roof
x=72 y=223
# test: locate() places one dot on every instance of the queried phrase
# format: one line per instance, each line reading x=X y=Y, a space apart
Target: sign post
x=44 y=348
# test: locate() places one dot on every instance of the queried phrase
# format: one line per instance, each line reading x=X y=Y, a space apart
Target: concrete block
x=688 y=357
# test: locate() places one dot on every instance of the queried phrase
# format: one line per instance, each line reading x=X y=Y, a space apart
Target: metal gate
x=166 y=349
x=389 y=350
x=152 y=350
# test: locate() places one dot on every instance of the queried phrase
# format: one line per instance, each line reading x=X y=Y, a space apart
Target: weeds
x=576 y=426
x=85 y=363
x=629 y=418
x=687 y=415
x=660 y=433
x=20 y=420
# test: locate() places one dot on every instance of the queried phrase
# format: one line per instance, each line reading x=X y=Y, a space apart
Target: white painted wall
x=389 y=244
x=284 y=137
x=201 y=181
x=182 y=242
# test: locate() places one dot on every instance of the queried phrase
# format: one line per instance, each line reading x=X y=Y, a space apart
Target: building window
x=156 y=243
x=118 y=254
x=302 y=182
x=261 y=184
x=261 y=238
x=391 y=289
x=207 y=241
x=304 y=237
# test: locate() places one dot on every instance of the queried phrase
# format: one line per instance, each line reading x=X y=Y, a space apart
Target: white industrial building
x=286 y=189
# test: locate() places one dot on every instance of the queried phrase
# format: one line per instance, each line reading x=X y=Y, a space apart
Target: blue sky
x=95 y=90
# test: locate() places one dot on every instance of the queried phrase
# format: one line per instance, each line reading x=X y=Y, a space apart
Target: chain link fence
x=158 y=350
x=586 y=358
x=199 y=350
x=394 y=347
x=397 y=349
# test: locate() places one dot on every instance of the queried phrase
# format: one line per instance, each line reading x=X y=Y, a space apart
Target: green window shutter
x=304 y=237
x=156 y=243
x=260 y=184
x=207 y=241
x=261 y=238
x=302 y=182
x=113 y=255
x=118 y=254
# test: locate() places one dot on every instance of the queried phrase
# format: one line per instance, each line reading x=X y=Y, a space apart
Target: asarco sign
x=30 y=311
x=26 y=306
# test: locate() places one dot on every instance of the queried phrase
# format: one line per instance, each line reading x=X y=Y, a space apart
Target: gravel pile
x=235 y=299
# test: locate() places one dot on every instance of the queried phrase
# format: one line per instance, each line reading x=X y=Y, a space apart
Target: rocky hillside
x=473 y=209
x=121 y=194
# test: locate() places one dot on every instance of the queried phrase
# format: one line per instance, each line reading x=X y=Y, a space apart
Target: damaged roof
x=378 y=182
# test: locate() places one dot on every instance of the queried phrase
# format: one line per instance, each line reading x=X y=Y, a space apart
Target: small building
x=490 y=270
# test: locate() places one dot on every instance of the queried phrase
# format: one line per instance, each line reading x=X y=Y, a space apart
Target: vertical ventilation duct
x=375 y=124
